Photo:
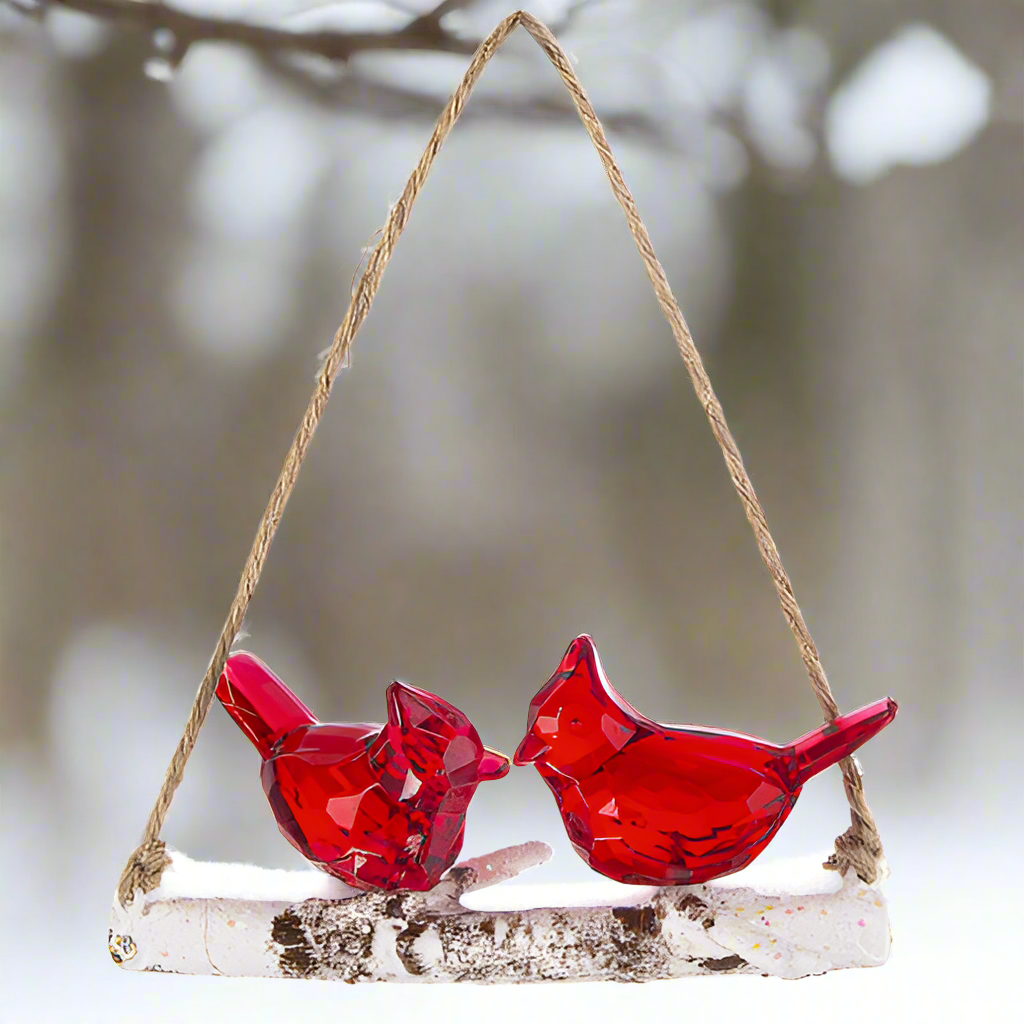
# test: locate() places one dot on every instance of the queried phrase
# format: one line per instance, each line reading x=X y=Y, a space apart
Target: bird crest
x=438 y=739
x=577 y=721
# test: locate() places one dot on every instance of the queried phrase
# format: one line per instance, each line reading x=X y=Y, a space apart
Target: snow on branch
x=423 y=32
x=238 y=920
x=285 y=45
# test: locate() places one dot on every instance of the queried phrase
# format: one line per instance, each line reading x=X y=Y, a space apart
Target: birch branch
x=237 y=920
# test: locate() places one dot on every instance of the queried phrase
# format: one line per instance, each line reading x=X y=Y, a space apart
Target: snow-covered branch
x=238 y=920
x=424 y=32
x=286 y=46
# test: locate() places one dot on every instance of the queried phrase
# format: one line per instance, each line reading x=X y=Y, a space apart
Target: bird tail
x=260 y=704
x=830 y=743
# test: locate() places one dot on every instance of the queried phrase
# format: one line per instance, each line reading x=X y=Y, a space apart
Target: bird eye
x=575 y=723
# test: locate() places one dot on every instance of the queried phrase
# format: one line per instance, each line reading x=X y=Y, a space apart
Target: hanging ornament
x=373 y=782
x=378 y=806
x=654 y=804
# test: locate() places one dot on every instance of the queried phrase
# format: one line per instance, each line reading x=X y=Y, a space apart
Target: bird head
x=438 y=740
x=576 y=721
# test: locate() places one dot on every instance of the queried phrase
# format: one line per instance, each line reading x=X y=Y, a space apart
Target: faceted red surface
x=668 y=804
x=379 y=806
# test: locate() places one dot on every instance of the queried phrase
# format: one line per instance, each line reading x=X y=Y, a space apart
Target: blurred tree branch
x=422 y=32
x=174 y=31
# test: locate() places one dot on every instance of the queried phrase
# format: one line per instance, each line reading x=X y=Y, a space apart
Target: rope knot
x=859 y=849
x=143 y=870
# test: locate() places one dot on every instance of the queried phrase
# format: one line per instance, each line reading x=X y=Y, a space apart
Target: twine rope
x=860 y=847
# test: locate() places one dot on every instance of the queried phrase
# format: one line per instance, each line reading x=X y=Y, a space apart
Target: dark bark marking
x=404 y=943
x=725 y=963
x=394 y=907
x=639 y=920
x=696 y=909
x=297 y=957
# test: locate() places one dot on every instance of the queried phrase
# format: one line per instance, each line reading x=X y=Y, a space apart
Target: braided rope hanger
x=860 y=847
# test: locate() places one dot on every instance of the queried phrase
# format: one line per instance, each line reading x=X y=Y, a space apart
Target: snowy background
x=516 y=455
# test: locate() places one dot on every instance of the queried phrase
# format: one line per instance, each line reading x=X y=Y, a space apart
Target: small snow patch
x=914 y=100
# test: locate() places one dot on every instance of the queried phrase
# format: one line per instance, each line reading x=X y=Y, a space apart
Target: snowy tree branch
x=174 y=31
x=238 y=920
x=424 y=32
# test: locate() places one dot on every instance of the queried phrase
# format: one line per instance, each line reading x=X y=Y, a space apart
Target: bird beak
x=529 y=750
x=493 y=765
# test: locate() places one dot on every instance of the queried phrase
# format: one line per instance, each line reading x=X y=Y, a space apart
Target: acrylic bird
x=654 y=804
x=378 y=806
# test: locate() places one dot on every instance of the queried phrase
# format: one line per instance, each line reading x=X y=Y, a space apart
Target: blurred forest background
x=515 y=455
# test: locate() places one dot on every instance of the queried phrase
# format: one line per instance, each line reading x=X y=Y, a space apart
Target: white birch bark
x=240 y=920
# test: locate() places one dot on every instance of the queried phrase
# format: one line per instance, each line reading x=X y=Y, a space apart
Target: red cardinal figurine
x=668 y=804
x=378 y=806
